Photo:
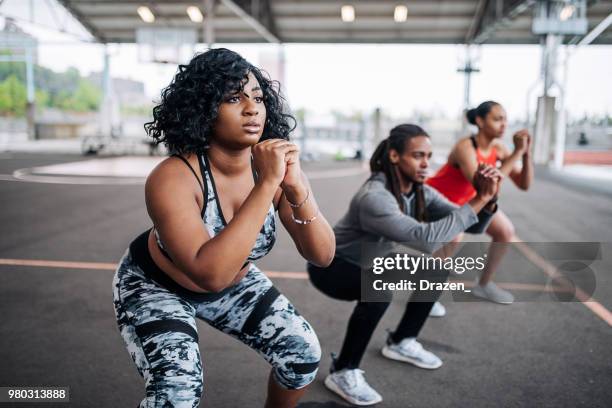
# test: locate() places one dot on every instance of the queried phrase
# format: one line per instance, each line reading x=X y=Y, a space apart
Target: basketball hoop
x=14 y=43
x=165 y=45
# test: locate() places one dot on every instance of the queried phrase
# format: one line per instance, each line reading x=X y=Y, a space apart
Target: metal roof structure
x=319 y=21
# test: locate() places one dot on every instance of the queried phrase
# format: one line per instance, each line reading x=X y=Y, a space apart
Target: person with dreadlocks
x=213 y=205
x=394 y=205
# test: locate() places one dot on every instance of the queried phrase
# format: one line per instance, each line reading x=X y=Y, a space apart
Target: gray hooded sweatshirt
x=375 y=217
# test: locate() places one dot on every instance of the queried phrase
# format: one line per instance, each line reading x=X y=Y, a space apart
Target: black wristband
x=487 y=210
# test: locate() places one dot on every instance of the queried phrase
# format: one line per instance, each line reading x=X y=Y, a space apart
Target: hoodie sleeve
x=380 y=214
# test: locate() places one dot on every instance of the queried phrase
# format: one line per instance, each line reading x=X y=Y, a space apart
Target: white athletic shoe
x=492 y=292
x=409 y=350
x=351 y=385
x=438 y=310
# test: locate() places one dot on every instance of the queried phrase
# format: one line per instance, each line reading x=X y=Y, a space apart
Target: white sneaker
x=411 y=351
x=351 y=385
x=438 y=310
x=492 y=292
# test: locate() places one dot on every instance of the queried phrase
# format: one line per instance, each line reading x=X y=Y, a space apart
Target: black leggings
x=342 y=280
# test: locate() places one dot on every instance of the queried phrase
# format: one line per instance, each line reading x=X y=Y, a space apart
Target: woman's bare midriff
x=176 y=274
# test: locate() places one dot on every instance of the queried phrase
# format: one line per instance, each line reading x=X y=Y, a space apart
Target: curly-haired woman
x=213 y=204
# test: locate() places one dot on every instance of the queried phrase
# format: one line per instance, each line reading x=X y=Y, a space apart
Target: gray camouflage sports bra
x=213 y=218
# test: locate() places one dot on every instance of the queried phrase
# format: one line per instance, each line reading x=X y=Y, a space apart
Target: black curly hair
x=184 y=118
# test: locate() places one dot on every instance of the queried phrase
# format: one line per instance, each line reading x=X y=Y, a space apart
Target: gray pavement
x=58 y=324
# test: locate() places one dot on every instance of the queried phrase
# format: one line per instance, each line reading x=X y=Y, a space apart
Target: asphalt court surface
x=58 y=323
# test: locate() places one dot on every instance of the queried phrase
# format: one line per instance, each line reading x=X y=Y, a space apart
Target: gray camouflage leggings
x=160 y=331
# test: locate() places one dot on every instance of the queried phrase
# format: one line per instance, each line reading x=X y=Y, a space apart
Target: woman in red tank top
x=454 y=181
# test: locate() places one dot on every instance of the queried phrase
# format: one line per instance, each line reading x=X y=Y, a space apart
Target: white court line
x=96 y=176
x=22 y=175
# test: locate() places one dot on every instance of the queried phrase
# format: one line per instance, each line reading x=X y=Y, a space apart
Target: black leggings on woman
x=342 y=280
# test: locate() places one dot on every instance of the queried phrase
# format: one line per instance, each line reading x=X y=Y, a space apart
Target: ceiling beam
x=67 y=4
x=577 y=38
x=492 y=15
x=595 y=32
x=135 y=2
x=477 y=21
x=257 y=14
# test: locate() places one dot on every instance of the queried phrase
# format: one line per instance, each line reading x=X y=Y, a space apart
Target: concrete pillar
x=31 y=97
x=110 y=117
x=546 y=118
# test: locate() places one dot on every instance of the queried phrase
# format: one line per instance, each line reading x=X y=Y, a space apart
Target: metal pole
x=466 y=97
x=209 y=19
x=546 y=64
x=550 y=61
x=31 y=102
x=105 y=107
x=561 y=127
x=467 y=70
x=106 y=73
x=466 y=100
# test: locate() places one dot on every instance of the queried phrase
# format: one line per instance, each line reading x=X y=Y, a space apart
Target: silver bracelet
x=304 y=222
x=300 y=204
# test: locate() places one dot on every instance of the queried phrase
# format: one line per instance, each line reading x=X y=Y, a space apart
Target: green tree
x=42 y=99
x=12 y=96
x=63 y=90
x=11 y=68
x=86 y=97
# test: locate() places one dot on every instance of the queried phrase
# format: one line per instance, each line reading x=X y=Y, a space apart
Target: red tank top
x=450 y=181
